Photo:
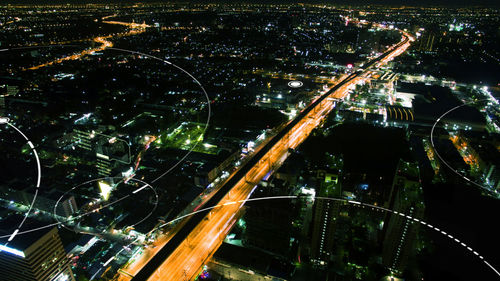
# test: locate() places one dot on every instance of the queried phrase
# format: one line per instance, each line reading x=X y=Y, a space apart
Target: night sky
x=495 y=3
x=427 y=2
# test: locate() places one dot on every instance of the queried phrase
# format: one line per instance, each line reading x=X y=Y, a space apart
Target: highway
x=103 y=40
x=183 y=256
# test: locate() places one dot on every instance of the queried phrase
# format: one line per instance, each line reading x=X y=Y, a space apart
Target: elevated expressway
x=183 y=256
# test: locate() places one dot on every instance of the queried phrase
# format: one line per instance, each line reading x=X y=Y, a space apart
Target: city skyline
x=358 y=3
x=174 y=141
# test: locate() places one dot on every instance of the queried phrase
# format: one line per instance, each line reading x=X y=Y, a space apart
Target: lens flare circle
x=295 y=84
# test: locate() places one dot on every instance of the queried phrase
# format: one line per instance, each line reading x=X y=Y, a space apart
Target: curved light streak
x=358 y=204
x=38 y=181
x=442 y=159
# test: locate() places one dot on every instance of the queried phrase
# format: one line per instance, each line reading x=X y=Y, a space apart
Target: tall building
x=325 y=216
x=401 y=232
x=45 y=200
x=108 y=150
x=83 y=139
x=269 y=223
x=104 y=166
x=33 y=256
x=5 y=91
x=427 y=42
x=2 y=105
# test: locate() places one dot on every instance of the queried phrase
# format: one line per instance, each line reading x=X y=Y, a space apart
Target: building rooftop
x=21 y=241
x=252 y=259
x=487 y=152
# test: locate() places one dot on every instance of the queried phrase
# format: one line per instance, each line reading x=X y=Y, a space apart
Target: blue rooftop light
x=11 y=250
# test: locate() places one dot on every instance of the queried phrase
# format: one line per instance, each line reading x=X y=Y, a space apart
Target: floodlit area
x=187 y=136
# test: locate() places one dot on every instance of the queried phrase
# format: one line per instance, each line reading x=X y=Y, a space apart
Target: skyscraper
x=325 y=217
x=400 y=231
x=34 y=256
x=2 y=105
x=268 y=224
x=427 y=42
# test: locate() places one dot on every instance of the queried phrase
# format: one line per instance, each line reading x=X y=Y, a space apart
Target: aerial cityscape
x=240 y=140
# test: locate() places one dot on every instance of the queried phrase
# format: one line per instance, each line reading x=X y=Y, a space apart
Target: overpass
x=183 y=256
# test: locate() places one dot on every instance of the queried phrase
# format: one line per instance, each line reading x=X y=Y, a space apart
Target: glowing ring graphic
x=17 y=232
x=5 y=120
x=295 y=84
x=357 y=204
x=145 y=185
x=158 y=59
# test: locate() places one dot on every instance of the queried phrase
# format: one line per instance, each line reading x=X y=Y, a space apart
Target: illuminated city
x=239 y=140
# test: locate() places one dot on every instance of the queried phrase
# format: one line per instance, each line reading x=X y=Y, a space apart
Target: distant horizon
x=357 y=3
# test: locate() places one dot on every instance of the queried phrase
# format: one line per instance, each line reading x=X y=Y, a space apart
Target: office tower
x=106 y=149
x=427 y=42
x=33 y=256
x=401 y=232
x=269 y=223
x=325 y=216
x=2 y=105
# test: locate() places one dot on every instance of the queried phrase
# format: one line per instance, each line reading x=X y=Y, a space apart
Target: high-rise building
x=12 y=90
x=104 y=166
x=427 y=42
x=108 y=150
x=5 y=91
x=268 y=223
x=401 y=232
x=45 y=200
x=325 y=216
x=83 y=139
x=2 y=105
x=33 y=256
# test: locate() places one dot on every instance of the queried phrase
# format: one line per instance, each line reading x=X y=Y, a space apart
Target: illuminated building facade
x=325 y=217
x=34 y=256
x=427 y=42
x=268 y=225
x=2 y=105
x=401 y=233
